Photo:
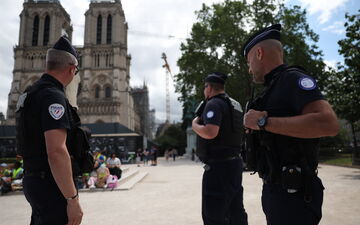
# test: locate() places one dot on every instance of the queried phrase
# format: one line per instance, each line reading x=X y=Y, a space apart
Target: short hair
x=273 y=45
x=59 y=59
x=217 y=86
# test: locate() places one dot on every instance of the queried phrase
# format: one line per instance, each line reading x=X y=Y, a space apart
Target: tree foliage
x=173 y=137
x=217 y=38
x=343 y=85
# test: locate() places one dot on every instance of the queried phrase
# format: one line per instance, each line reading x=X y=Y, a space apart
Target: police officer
x=287 y=119
x=218 y=128
x=48 y=180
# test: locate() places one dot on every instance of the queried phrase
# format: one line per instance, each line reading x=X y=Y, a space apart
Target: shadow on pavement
x=354 y=176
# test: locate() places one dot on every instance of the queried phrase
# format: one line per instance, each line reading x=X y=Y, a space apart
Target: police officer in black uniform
x=42 y=130
x=285 y=122
x=219 y=127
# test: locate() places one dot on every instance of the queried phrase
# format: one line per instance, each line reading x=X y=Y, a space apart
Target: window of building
x=35 y=30
x=32 y=61
x=46 y=30
x=97 y=92
x=98 y=30
x=107 y=92
x=80 y=61
x=109 y=30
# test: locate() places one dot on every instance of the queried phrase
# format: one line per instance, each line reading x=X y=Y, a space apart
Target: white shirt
x=113 y=162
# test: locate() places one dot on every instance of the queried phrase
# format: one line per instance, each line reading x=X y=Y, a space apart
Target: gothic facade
x=105 y=92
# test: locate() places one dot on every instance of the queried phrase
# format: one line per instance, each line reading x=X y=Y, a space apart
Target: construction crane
x=168 y=73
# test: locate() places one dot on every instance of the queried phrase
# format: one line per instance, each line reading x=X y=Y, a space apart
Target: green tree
x=173 y=137
x=218 y=35
x=343 y=86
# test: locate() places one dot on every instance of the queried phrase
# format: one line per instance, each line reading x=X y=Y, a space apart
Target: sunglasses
x=76 y=69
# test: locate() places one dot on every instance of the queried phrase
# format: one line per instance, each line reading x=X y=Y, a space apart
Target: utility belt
x=40 y=174
x=295 y=179
x=207 y=161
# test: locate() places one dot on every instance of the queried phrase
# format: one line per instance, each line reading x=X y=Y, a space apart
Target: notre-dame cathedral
x=104 y=95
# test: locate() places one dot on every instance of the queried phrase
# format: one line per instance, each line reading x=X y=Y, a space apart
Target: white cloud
x=331 y=63
x=337 y=27
x=325 y=7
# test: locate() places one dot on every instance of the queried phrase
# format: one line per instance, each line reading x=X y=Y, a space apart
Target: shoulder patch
x=210 y=114
x=56 y=111
x=307 y=83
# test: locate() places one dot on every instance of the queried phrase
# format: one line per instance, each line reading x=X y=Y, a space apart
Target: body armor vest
x=228 y=141
x=268 y=153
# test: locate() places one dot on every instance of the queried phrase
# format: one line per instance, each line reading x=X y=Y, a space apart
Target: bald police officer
x=44 y=118
x=219 y=128
x=286 y=120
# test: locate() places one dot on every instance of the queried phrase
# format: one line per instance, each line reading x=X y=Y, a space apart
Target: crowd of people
x=143 y=156
x=106 y=172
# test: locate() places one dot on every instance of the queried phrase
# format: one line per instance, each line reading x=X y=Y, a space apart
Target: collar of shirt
x=221 y=95
x=271 y=75
x=48 y=77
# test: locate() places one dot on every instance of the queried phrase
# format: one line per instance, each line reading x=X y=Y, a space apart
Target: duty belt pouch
x=291 y=178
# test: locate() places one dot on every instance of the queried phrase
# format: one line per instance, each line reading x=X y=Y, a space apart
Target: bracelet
x=73 y=197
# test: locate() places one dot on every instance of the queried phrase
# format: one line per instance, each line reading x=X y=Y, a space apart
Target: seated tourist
x=114 y=163
x=99 y=175
x=17 y=174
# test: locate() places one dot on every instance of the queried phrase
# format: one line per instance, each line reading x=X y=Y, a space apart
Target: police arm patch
x=56 y=111
x=307 y=83
x=210 y=114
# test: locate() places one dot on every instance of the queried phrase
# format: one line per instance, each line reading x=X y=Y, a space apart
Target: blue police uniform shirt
x=48 y=110
x=53 y=106
x=290 y=90
x=213 y=111
x=289 y=94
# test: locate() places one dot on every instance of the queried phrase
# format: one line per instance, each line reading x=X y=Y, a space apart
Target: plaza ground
x=171 y=195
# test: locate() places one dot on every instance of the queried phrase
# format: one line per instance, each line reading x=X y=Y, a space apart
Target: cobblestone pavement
x=171 y=195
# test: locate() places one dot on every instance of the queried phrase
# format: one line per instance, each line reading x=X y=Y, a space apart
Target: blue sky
x=164 y=17
x=327 y=18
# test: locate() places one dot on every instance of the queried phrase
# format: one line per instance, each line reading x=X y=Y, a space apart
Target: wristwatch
x=73 y=197
x=262 y=122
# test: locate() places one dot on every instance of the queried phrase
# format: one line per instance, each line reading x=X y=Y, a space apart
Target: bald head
x=273 y=49
x=264 y=57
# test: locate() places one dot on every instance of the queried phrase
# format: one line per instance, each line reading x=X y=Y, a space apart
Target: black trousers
x=283 y=208
x=116 y=171
x=222 y=194
x=47 y=202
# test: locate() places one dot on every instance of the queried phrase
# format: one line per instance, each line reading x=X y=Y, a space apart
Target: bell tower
x=105 y=93
x=42 y=22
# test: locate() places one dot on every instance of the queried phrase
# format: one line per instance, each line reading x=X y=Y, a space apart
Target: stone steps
x=129 y=178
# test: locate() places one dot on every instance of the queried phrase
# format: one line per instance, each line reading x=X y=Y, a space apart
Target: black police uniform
x=287 y=90
x=222 y=191
x=48 y=109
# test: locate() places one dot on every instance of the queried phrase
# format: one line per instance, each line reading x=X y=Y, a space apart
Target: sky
x=150 y=25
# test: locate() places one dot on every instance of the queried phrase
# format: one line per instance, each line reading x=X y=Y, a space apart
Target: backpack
x=79 y=149
x=112 y=181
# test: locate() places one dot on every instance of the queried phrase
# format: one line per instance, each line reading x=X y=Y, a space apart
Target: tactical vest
x=267 y=153
x=228 y=141
x=31 y=145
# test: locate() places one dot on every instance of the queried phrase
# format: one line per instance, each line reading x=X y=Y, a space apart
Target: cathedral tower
x=42 y=22
x=105 y=90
